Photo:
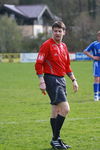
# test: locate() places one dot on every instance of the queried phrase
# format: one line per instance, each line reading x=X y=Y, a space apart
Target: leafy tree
x=92 y=8
x=84 y=31
x=81 y=16
x=33 y=44
x=11 y=37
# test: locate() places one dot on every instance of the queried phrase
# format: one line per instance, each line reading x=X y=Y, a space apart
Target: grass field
x=24 y=111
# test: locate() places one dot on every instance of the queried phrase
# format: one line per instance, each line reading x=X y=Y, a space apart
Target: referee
x=52 y=64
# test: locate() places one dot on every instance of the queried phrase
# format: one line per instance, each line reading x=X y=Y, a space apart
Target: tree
x=33 y=44
x=81 y=16
x=92 y=8
x=11 y=38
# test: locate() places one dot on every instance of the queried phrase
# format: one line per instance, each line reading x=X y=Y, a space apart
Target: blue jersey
x=94 y=47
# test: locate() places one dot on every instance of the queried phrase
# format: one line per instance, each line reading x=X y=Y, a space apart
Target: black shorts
x=56 y=88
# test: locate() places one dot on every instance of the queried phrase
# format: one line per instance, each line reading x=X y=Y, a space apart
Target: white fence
x=28 y=57
x=31 y=57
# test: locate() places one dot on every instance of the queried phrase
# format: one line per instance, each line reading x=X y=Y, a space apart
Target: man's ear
x=65 y=32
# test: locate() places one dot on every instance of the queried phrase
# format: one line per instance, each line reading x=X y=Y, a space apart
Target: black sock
x=58 y=125
x=52 y=122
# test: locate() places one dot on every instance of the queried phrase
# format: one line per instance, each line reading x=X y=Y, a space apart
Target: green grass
x=25 y=112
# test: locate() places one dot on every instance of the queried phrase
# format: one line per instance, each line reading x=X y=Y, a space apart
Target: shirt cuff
x=40 y=75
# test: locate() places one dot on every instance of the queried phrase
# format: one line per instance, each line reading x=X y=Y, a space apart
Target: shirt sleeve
x=41 y=58
x=89 y=48
x=68 y=67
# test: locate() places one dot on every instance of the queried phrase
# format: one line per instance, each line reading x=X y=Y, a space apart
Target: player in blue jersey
x=93 y=51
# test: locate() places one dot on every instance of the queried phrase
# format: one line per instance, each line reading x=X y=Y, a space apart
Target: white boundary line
x=70 y=119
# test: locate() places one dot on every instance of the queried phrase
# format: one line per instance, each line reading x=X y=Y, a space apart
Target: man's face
x=58 y=34
x=98 y=37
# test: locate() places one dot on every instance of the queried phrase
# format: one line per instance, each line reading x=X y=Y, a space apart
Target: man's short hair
x=59 y=24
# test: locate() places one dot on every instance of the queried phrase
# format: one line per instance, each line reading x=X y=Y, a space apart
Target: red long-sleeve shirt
x=53 y=58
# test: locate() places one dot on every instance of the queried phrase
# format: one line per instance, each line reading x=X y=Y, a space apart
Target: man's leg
x=99 y=88
x=59 y=113
x=53 y=121
x=63 y=109
x=54 y=112
x=96 y=88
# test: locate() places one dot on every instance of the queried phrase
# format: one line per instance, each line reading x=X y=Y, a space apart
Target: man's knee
x=65 y=111
x=64 y=108
x=96 y=79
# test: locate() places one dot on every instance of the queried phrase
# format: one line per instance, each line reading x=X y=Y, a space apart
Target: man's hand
x=96 y=58
x=75 y=86
x=42 y=85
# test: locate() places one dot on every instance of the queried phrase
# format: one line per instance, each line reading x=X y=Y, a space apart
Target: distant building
x=32 y=19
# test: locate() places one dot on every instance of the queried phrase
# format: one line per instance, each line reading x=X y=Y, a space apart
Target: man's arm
x=39 y=67
x=91 y=56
